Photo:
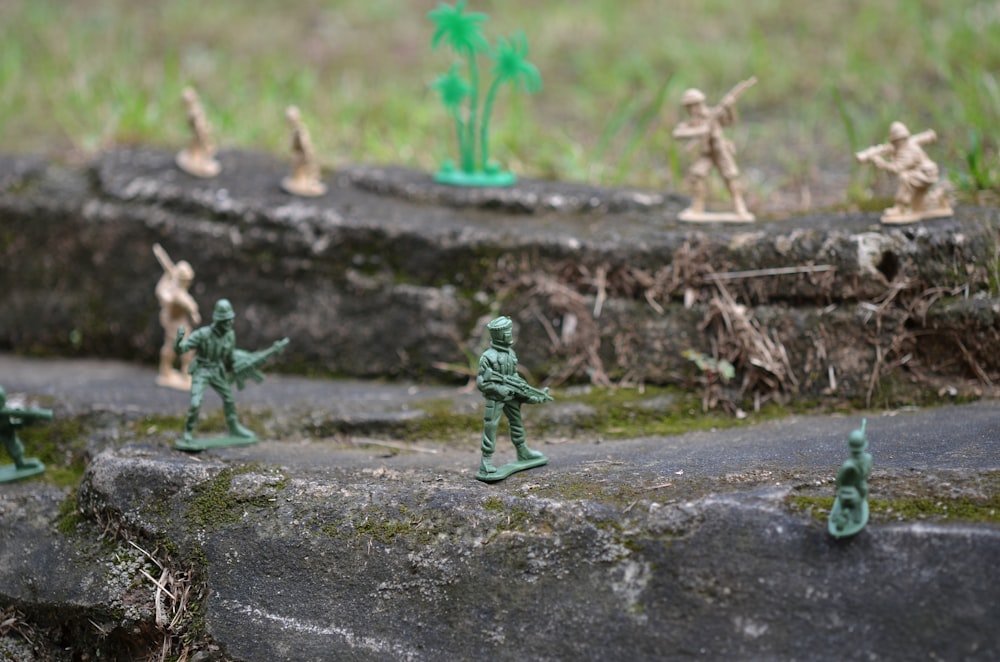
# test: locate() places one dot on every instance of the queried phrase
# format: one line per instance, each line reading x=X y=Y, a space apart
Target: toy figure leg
x=167 y=357
x=199 y=381
x=696 y=183
x=225 y=391
x=513 y=412
x=491 y=421
x=15 y=449
x=731 y=176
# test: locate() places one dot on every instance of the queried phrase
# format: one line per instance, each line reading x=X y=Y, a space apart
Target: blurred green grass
x=76 y=77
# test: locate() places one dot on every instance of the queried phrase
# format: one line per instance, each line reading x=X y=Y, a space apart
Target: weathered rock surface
x=424 y=563
x=389 y=274
x=651 y=548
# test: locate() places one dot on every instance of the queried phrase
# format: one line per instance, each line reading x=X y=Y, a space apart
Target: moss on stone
x=62 y=445
x=215 y=505
x=962 y=509
x=70 y=518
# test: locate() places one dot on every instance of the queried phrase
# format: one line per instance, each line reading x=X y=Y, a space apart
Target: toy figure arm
x=848 y=475
x=882 y=164
x=686 y=130
x=182 y=344
x=189 y=304
x=488 y=385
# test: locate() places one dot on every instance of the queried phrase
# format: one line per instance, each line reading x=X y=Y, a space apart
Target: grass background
x=80 y=76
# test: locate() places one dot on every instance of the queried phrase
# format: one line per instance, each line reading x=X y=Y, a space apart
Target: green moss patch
x=62 y=445
x=904 y=509
x=216 y=505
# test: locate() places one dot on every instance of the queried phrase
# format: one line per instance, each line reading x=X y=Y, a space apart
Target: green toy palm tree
x=462 y=32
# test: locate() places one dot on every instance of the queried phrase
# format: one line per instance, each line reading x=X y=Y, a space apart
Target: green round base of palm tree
x=454 y=177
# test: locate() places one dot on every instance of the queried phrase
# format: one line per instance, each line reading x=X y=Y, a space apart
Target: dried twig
x=761 y=273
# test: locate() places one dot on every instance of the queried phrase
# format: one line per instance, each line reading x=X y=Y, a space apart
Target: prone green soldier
x=850 y=507
x=505 y=392
x=12 y=418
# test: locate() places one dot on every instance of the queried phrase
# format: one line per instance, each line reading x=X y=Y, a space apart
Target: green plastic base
x=851 y=527
x=511 y=468
x=9 y=472
x=205 y=443
x=479 y=178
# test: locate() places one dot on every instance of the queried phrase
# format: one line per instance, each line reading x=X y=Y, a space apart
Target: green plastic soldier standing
x=850 y=509
x=218 y=364
x=11 y=418
x=505 y=392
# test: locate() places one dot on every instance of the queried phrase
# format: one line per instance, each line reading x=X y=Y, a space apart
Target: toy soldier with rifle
x=219 y=364
x=176 y=308
x=12 y=418
x=703 y=129
x=505 y=392
x=304 y=180
x=198 y=158
x=917 y=197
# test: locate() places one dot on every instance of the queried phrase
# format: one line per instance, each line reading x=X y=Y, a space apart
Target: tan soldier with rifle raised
x=177 y=308
x=703 y=130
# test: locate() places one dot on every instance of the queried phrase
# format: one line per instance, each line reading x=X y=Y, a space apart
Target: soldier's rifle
x=883 y=149
x=246 y=364
x=19 y=416
x=732 y=95
x=164 y=260
x=517 y=384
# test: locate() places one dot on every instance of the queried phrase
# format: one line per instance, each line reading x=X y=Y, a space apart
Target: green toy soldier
x=505 y=392
x=850 y=509
x=218 y=364
x=11 y=418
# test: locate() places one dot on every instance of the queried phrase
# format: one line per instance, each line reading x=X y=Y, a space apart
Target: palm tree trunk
x=484 y=128
x=469 y=153
x=456 y=112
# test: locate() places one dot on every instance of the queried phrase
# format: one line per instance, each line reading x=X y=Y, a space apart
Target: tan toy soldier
x=917 y=197
x=304 y=179
x=177 y=309
x=704 y=129
x=199 y=157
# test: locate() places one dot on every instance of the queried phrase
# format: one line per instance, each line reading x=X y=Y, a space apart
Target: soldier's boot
x=698 y=192
x=486 y=465
x=237 y=430
x=167 y=356
x=189 y=429
x=740 y=204
x=17 y=453
x=525 y=453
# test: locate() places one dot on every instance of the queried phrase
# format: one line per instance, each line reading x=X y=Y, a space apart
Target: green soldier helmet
x=898 y=131
x=501 y=331
x=857 y=440
x=691 y=97
x=223 y=311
